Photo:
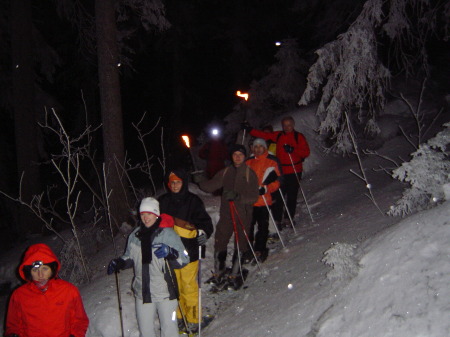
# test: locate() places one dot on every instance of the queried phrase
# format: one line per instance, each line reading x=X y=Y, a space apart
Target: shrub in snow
x=341 y=258
x=427 y=173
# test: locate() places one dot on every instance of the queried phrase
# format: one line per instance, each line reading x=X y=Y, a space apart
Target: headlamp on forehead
x=37 y=264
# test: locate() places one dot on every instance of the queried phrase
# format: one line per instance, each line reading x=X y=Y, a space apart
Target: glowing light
x=214 y=132
x=186 y=140
x=243 y=95
x=278 y=43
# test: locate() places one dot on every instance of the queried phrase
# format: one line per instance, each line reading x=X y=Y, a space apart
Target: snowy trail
x=342 y=214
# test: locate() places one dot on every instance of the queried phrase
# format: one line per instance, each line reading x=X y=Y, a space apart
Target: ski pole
x=178 y=300
x=120 y=302
x=243 y=137
x=246 y=235
x=287 y=210
x=271 y=216
x=199 y=291
x=236 y=237
x=301 y=189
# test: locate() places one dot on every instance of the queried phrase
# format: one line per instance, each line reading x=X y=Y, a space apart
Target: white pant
x=167 y=312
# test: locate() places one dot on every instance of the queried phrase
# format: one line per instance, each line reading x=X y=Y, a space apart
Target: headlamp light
x=37 y=264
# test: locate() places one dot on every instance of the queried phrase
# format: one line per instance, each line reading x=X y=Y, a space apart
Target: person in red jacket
x=215 y=152
x=292 y=149
x=45 y=306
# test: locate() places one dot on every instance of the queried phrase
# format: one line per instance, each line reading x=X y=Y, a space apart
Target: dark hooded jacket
x=188 y=211
x=56 y=311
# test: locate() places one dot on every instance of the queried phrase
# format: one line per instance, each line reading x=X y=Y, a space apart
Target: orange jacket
x=56 y=312
x=262 y=166
x=294 y=139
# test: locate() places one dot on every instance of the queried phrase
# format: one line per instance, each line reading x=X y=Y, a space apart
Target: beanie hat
x=173 y=176
x=238 y=147
x=149 y=205
x=260 y=141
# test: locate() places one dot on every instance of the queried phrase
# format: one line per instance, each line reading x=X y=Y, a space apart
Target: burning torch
x=188 y=145
x=244 y=95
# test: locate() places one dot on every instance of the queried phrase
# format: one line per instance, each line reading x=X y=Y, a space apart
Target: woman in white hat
x=154 y=250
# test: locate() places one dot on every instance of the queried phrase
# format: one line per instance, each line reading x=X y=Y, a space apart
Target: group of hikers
x=165 y=248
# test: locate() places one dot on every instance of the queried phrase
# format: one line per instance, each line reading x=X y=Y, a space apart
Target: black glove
x=201 y=237
x=115 y=265
x=230 y=195
x=262 y=190
x=198 y=177
x=288 y=148
x=246 y=126
x=164 y=251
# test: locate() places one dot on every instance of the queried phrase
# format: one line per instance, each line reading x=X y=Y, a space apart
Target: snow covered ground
x=353 y=271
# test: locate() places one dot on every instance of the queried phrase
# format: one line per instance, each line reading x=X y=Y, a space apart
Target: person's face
x=258 y=150
x=176 y=185
x=148 y=219
x=41 y=274
x=288 y=126
x=238 y=158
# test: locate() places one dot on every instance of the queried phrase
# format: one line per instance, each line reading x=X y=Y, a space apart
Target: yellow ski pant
x=188 y=288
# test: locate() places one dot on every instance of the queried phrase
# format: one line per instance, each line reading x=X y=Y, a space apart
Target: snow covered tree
x=427 y=173
x=350 y=73
x=277 y=92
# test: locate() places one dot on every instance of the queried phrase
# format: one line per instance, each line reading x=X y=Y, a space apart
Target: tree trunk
x=25 y=121
x=110 y=101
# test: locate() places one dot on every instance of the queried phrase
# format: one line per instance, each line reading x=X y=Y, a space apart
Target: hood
x=166 y=221
x=181 y=173
x=38 y=252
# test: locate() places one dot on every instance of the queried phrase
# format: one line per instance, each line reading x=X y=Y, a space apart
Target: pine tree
x=349 y=73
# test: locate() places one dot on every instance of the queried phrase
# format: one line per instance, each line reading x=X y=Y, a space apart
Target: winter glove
x=262 y=190
x=198 y=177
x=288 y=148
x=230 y=195
x=201 y=237
x=164 y=251
x=246 y=126
x=115 y=265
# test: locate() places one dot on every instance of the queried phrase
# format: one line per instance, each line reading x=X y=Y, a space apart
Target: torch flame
x=186 y=140
x=243 y=95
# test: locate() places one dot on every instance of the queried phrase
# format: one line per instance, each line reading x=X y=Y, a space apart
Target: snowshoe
x=273 y=237
x=194 y=326
x=235 y=282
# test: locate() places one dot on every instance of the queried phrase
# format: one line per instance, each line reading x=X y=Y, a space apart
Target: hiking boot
x=192 y=328
x=247 y=257
x=234 y=282
x=215 y=279
x=256 y=258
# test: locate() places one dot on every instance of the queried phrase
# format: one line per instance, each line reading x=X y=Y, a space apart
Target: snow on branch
x=427 y=173
x=349 y=74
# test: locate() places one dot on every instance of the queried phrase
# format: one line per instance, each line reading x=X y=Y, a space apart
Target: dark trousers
x=289 y=187
x=261 y=217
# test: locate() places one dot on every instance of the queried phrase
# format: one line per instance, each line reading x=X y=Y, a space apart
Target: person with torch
x=193 y=224
x=215 y=152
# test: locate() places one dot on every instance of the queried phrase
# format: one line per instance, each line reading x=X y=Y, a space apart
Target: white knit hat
x=149 y=205
x=260 y=141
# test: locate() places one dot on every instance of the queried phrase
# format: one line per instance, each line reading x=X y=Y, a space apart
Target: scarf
x=146 y=235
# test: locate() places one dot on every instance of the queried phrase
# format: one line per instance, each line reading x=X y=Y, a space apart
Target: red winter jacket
x=301 y=148
x=262 y=166
x=56 y=312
